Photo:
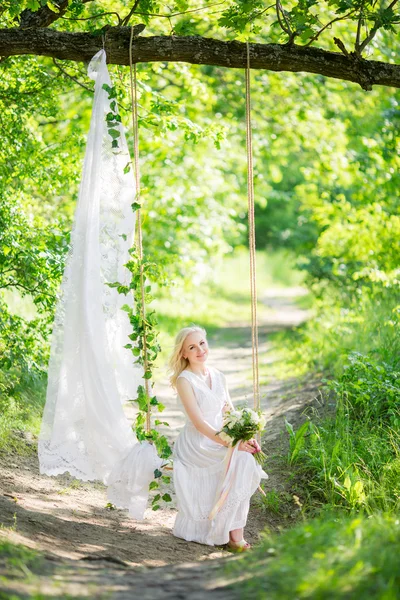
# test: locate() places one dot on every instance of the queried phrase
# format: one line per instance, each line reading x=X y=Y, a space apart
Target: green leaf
x=112 y=92
x=167 y=498
x=114 y=133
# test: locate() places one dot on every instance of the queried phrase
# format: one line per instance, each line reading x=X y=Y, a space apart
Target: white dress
x=199 y=470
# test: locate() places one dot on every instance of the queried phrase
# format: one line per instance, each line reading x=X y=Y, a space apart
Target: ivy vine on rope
x=144 y=344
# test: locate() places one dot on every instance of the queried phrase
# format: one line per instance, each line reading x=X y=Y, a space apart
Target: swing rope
x=139 y=242
x=252 y=238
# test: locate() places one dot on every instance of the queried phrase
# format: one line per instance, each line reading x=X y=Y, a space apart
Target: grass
x=20 y=417
x=324 y=559
x=18 y=559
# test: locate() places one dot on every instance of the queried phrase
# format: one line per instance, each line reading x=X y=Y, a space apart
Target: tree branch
x=81 y=47
x=64 y=72
x=374 y=30
x=44 y=16
x=126 y=20
x=335 y=20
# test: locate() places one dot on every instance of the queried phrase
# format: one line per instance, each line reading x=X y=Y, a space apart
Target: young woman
x=201 y=468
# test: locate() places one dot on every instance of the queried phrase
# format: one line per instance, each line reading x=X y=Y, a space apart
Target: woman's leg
x=236 y=535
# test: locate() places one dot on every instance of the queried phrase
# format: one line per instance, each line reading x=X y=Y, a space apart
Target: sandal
x=241 y=546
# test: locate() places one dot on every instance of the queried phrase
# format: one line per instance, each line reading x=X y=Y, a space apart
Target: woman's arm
x=193 y=411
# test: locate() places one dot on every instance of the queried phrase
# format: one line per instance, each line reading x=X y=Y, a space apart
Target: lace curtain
x=84 y=429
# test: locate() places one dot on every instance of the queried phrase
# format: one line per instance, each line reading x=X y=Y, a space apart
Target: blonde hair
x=177 y=363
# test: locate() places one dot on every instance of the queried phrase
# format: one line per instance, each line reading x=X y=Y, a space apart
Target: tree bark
x=199 y=51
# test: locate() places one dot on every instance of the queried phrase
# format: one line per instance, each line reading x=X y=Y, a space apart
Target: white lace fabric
x=84 y=429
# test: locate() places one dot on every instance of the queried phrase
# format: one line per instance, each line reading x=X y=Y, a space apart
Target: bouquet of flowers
x=243 y=424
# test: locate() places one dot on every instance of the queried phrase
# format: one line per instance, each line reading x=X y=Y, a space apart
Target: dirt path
x=89 y=550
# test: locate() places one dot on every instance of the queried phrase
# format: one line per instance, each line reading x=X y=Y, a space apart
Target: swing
x=84 y=429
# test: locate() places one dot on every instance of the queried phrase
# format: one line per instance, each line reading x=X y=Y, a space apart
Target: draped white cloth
x=84 y=429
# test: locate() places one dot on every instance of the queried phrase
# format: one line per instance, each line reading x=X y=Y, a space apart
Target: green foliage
x=145 y=349
x=296 y=439
x=352 y=459
x=371 y=390
x=34 y=214
x=113 y=118
x=331 y=557
x=271 y=501
x=18 y=559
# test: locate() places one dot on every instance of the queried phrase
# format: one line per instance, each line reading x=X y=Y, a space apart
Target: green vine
x=144 y=344
x=144 y=327
x=145 y=333
x=113 y=119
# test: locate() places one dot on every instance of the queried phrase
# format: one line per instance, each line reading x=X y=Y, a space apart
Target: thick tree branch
x=198 y=50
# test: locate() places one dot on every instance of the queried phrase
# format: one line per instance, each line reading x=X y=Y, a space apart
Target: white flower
x=255 y=418
x=263 y=422
x=225 y=437
x=232 y=417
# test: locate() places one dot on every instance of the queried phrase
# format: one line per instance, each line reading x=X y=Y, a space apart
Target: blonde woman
x=213 y=494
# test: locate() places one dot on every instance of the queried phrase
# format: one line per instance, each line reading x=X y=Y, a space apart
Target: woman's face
x=195 y=348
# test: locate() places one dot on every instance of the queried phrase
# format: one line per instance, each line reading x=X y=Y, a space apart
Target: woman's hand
x=255 y=444
x=247 y=446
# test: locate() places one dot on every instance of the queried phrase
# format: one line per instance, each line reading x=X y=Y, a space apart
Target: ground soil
x=88 y=550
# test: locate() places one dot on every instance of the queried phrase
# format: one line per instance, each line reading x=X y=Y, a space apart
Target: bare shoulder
x=183 y=384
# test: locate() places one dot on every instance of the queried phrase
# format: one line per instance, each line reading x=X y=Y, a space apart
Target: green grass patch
x=324 y=559
x=20 y=414
x=18 y=560
x=352 y=457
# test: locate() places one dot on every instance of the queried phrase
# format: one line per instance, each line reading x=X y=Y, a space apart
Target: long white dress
x=199 y=471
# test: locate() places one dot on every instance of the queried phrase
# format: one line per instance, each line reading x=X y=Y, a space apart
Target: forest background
x=327 y=214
